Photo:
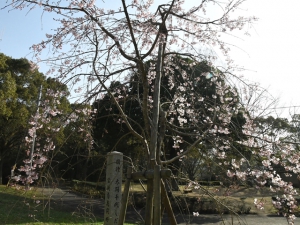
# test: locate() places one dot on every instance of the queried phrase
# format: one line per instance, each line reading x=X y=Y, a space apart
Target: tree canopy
x=19 y=91
x=198 y=97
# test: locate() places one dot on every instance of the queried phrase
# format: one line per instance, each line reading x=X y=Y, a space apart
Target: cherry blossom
x=170 y=48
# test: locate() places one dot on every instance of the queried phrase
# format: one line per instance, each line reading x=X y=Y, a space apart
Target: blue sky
x=271 y=53
x=20 y=29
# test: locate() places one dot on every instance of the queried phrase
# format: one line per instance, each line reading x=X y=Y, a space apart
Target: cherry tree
x=97 y=43
x=49 y=131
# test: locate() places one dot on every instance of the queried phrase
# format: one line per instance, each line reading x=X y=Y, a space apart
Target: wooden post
x=157 y=196
x=167 y=204
x=113 y=192
x=156 y=190
x=125 y=197
x=149 y=203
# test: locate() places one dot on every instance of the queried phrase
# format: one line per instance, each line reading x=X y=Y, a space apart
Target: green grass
x=30 y=207
x=239 y=199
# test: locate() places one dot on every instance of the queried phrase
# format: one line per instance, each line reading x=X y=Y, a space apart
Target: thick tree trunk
x=154 y=137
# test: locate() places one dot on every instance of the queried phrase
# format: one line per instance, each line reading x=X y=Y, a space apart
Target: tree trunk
x=154 y=137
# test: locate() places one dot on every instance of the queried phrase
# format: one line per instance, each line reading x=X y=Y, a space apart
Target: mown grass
x=239 y=199
x=31 y=207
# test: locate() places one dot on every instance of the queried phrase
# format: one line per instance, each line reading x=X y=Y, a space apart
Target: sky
x=270 y=54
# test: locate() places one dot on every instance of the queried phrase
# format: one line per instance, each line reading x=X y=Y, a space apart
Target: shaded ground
x=84 y=206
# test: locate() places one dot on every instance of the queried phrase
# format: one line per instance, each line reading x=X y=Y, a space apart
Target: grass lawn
x=238 y=199
x=29 y=207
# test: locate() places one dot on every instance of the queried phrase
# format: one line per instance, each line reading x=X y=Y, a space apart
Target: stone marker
x=113 y=189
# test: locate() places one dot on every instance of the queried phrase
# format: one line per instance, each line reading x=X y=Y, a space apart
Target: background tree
x=293 y=128
x=109 y=126
x=19 y=92
x=77 y=157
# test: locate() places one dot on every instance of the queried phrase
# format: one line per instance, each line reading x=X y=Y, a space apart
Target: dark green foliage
x=112 y=134
x=272 y=126
x=18 y=104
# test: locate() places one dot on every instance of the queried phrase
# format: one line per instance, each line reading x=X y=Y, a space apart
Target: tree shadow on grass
x=20 y=207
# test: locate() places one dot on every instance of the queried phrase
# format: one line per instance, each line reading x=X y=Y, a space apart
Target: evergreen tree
x=19 y=91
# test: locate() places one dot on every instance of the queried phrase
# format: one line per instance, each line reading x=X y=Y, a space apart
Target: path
x=244 y=219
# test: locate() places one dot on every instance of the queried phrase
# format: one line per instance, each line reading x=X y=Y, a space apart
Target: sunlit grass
x=238 y=199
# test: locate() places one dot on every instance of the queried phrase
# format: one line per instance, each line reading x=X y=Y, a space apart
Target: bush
x=89 y=188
